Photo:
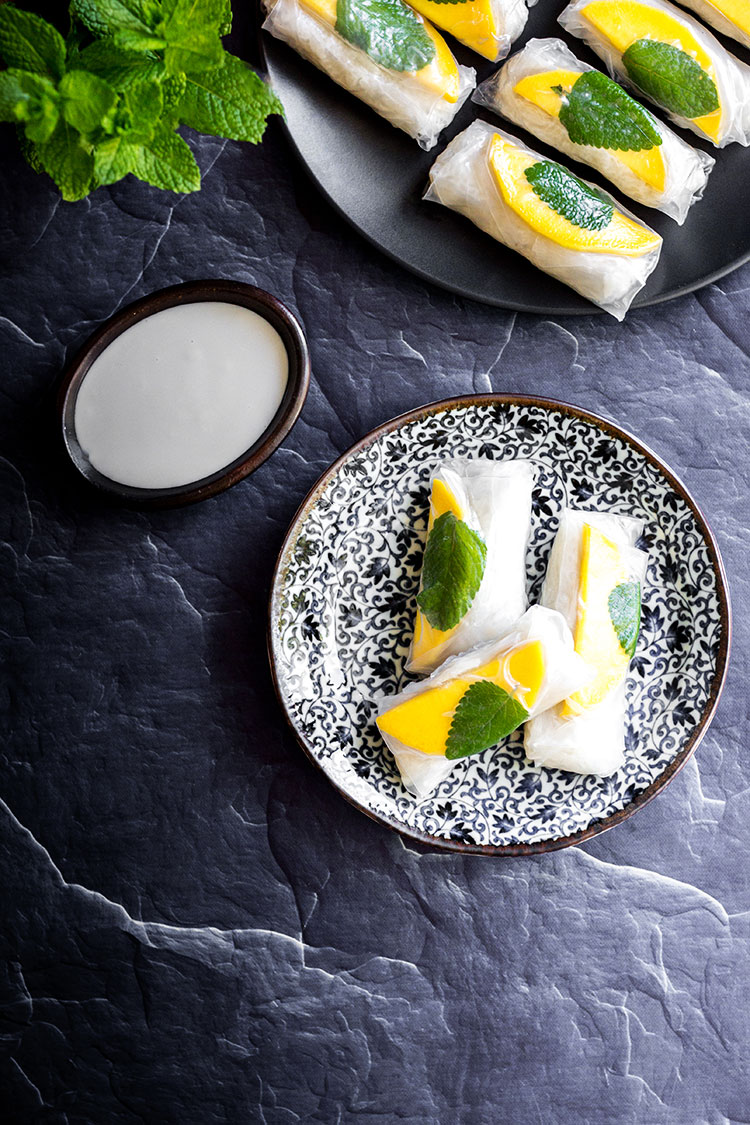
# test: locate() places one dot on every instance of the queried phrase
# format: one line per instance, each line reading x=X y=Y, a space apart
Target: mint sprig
x=598 y=112
x=106 y=102
x=452 y=571
x=671 y=78
x=624 y=605
x=570 y=197
x=389 y=31
x=485 y=714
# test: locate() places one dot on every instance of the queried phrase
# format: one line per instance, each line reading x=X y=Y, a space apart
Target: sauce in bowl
x=181 y=394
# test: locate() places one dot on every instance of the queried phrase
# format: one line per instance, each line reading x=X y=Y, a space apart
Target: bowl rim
x=722 y=660
x=222 y=290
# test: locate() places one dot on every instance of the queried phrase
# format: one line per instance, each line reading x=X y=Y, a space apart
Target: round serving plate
x=342 y=610
x=375 y=175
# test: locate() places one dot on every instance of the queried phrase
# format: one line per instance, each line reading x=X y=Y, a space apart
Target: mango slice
x=647 y=164
x=472 y=22
x=424 y=721
x=623 y=22
x=508 y=164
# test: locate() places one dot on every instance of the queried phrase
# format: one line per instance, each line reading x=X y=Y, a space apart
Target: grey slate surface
x=195 y=927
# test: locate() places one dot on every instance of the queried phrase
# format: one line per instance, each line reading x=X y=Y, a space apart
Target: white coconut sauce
x=181 y=394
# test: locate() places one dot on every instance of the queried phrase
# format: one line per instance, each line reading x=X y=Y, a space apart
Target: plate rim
x=597 y=827
x=457 y=290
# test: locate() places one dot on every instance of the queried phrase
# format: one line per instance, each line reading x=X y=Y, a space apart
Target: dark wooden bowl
x=232 y=292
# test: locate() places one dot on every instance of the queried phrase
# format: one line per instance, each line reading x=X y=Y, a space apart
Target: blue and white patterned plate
x=342 y=609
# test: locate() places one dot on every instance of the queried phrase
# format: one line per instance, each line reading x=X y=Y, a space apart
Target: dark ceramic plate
x=231 y=292
x=342 y=610
x=374 y=175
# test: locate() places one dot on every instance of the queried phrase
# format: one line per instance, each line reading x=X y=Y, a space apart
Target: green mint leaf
x=30 y=43
x=570 y=197
x=230 y=101
x=30 y=100
x=189 y=51
x=115 y=158
x=116 y=66
x=625 y=613
x=133 y=39
x=454 y=561
x=598 y=112
x=87 y=101
x=485 y=714
x=167 y=162
x=173 y=89
x=671 y=77
x=388 y=31
x=105 y=17
x=68 y=160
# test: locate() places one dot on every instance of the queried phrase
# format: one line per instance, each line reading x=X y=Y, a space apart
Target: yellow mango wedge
x=623 y=22
x=736 y=11
x=423 y=722
x=647 y=164
x=602 y=568
x=441 y=76
x=622 y=236
x=472 y=22
x=426 y=636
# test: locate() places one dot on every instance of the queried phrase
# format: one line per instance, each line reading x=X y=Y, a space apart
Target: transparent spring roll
x=670 y=58
x=473 y=701
x=473 y=584
x=571 y=106
x=562 y=224
x=384 y=53
x=730 y=17
x=488 y=27
x=594 y=580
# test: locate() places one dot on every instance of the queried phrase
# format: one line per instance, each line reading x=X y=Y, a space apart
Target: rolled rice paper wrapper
x=398 y=96
x=593 y=741
x=730 y=18
x=661 y=21
x=461 y=179
x=684 y=170
x=494 y=499
x=488 y=27
x=556 y=673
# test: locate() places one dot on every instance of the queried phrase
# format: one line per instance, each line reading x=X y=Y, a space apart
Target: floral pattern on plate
x=342 y=612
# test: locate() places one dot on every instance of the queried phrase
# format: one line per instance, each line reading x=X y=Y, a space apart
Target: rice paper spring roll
x=578 y=110
x=474 y=700
x=560 y=223
x=473 y=583
x=671 y=59
x=488 y=27
x=386 y=54
x=594 y=579
x=730 y=17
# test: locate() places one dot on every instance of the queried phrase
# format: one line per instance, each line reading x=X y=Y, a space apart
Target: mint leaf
x=68 y=160
x=624 y=605
x=230 y=101
x=105 y=17
x=134 y=39
x=30 y=100
x=388 y=31
x=30 y=43
x=454 y=560
x=671 y=77
x=570 y=197
x=485 y=714
x=189 y=50
x=87 y=101
x=115 y=158
x=599 y=113
x=115 y=65
x=167 y=162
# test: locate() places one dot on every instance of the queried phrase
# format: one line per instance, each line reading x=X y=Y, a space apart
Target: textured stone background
x=195 y=928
